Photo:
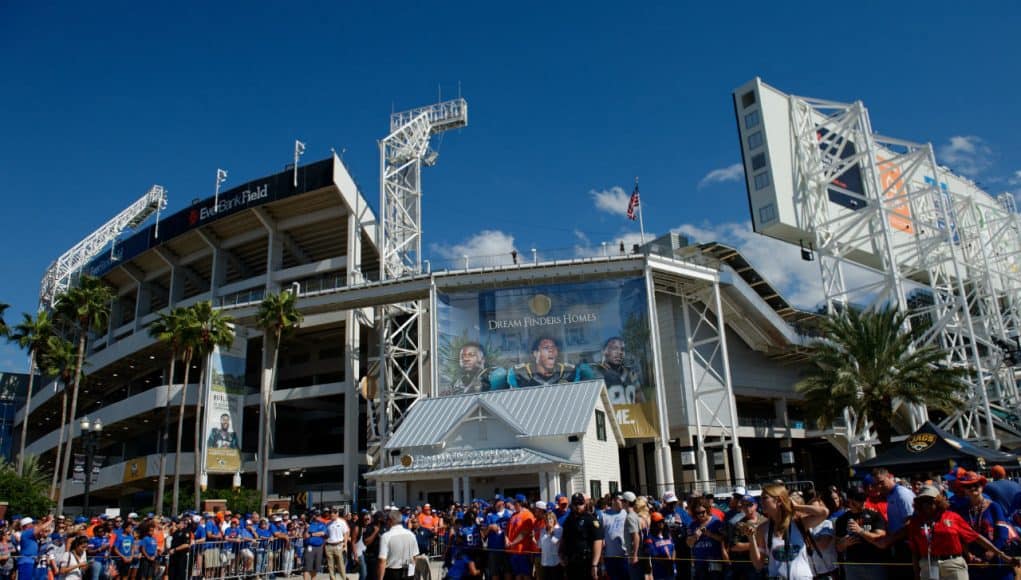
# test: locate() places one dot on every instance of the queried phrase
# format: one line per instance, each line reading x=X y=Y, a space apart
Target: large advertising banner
x=545 y=335
x=225 y=400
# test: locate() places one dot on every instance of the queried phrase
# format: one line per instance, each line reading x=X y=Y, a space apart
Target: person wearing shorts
x=315 y=536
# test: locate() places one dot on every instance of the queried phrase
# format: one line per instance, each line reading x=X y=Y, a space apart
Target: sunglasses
x=971 y=486
x=700 y=513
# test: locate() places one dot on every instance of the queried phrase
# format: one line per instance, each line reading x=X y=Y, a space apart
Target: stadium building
x=711 y=348
x=697 y=352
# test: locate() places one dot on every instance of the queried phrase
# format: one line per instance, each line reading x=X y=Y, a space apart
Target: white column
x=543 y=484
x=457 y=491
x=664 y=469
x=466 y=490
x=351 y=402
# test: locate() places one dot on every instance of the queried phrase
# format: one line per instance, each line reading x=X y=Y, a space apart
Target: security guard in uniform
x=581 y=545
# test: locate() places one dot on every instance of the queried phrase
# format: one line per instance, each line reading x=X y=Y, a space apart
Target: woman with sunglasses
x=988 y=519
x=783 y=536
x=705 y=538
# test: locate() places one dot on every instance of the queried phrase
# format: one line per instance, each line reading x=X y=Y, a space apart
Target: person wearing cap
x=521 y=539
x=581 y=544
x=315 y=537
x=336 y=544
x=987 y=518
x=1000 y=489
x=738 y=534
x=495 y=534
x=859 y=531
x=31 y=535
x=734 y=512
x=621 y=536
x=180 y=549
x=562 y=509
x=660 y=548
x=937 y=537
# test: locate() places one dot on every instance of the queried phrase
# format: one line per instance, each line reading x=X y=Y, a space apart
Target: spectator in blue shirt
x=705 y=538
x=148 y=550
x=123 y=550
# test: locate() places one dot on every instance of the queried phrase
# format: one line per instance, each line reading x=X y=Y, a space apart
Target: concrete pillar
x=543 y=484
x=664 y=468
x=456 y=489
x=466 y=490
x=643 y=481
x=266 y=405
x=351 y=401
x=143 y=305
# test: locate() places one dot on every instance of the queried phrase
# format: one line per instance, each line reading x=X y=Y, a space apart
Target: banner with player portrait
x=225 y=400
x=544 y=335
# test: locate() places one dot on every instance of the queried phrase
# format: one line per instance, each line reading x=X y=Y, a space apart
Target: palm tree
x=4 y=329
x=171 y=328
x=58 y=360
x=215 y=329
x=277 y=314
x=31 y=335
x=85 y=307
x=866 y=360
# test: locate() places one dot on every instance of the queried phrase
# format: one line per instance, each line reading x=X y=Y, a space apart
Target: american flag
x=632 y=204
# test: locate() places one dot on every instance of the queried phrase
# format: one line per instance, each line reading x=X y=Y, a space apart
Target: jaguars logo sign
x=920 y=442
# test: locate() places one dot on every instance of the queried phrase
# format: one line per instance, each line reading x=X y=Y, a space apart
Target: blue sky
x=567 y=102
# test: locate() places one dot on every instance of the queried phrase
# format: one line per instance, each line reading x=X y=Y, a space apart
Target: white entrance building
x=540 y=441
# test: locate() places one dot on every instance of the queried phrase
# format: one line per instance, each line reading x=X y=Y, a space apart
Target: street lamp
x=90 y=444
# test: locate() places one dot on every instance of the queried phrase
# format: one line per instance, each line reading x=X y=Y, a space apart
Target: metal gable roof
x=564 y=409
x=473 y=460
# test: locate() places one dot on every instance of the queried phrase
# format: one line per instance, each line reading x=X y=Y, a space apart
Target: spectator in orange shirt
x=521 y=538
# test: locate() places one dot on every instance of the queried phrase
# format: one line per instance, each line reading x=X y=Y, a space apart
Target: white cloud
x=966 y=154
x=486 y=248
x=613 y=201
x=779 y=263
x=1015 y=179
x=722 y=175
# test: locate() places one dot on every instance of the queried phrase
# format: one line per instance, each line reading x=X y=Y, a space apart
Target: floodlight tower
x=58 y=276
x=402 y=154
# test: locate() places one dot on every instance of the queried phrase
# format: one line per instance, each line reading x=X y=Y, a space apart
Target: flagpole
x=641 y=222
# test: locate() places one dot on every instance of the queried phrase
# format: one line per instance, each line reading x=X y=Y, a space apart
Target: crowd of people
x=959 y=526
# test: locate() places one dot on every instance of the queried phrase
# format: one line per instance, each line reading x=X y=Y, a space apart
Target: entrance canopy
x=931 y=445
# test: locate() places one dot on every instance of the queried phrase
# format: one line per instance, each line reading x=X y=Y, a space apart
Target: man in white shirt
x=397 y=550
x=336 y=544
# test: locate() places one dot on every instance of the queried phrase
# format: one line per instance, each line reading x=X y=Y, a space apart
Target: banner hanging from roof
x=545 y=335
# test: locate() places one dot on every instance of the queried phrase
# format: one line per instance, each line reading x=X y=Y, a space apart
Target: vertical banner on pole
x=225 y=398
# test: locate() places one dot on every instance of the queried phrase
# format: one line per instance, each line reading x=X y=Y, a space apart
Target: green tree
x=277 y=315
x=176 y=329
x=214 y=329
x=58 y=360
x=85 y=307
x=25 y=493
x=866 y=360
x=31 y=334
x=4 y=329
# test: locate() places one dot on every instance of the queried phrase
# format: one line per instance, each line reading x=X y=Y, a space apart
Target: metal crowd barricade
x=244 y=558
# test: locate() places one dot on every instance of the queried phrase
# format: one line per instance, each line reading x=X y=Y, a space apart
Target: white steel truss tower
x=951 y=253
x=401 y=156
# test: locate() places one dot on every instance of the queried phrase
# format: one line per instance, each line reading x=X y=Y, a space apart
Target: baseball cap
x=628 y=496
x=747 y=498
x=540 y=505
x=998 y=472
x=740 y=490
x=656 y=517
x=25 y=521
x=578 y=499
x=669 y=497
x=929 y=491
x=132 y=516
x=520 y=498
x=562 y=500
x=80 y=520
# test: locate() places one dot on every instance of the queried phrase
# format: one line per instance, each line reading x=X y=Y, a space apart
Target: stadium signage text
x=242 y=199
x=531 y=321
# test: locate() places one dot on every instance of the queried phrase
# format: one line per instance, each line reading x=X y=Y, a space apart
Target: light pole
x=90 y=444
